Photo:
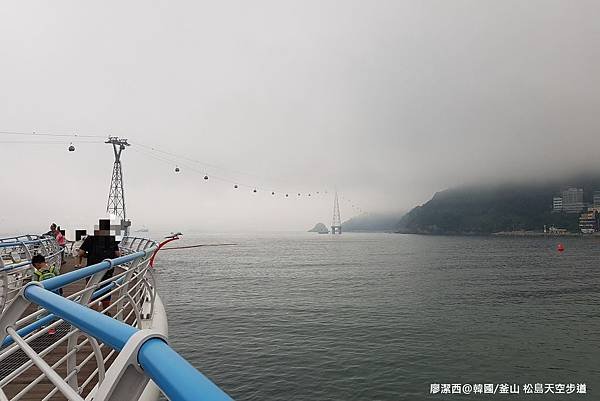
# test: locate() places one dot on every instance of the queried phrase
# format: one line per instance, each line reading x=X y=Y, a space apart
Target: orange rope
x=195 y=246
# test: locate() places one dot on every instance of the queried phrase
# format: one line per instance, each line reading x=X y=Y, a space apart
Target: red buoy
x=560 y=247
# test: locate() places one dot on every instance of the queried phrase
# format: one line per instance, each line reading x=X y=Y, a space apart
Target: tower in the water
x=336 y=226
x=116 y=195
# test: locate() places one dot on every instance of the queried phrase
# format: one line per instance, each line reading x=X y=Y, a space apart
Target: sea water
x=384 y=316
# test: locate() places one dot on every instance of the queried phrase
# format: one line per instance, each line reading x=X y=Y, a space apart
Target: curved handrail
x=30 y=328
x=57 y=282
x=152 y=355
x=171 y=373
x=20 y=238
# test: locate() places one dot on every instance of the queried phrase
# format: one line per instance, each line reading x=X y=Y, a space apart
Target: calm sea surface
x=382 y=316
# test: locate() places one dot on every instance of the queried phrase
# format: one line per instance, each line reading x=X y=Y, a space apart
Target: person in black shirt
x=98 y=247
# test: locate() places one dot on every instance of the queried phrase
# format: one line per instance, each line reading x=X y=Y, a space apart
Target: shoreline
x=541 y=234
x=525 y=234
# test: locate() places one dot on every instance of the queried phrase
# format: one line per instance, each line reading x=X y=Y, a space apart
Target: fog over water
x=382 y=316
x=388 y=101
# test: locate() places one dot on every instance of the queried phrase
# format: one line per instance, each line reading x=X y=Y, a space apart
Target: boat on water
x=144 y=229
x=60 y=347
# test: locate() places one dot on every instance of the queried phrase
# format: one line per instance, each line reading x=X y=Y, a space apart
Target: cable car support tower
x=116 y=194
x=336 y=226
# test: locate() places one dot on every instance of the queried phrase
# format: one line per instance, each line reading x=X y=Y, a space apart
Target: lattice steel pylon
x=116 y=194
x=336 y=226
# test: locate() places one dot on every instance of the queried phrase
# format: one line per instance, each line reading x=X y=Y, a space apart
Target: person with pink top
x=60 y=239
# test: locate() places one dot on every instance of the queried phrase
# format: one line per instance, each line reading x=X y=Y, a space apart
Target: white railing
x=100 y=355
x=15 y=266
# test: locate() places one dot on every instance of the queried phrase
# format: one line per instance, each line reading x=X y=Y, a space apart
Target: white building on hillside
x=572 y=200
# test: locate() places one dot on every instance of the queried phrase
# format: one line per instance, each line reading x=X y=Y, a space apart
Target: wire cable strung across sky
x=170 y=158
x=34 y=133
x=148 y=152
x=47 y=142
x=164 y=152
x=236 y=184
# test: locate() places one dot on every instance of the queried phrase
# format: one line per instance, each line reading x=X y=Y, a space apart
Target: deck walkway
x=44 y=387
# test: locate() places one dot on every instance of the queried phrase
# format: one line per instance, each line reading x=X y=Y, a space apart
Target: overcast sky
x=389 y=101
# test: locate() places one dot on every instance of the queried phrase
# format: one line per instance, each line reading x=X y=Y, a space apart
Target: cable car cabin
x=176 y=169
x=71 y=148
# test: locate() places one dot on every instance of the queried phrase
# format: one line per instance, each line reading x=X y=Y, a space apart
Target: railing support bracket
x=13 y=312
x=125 y=380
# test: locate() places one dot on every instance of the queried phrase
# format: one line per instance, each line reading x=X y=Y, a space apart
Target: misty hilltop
x=373 y=222
x=486 y=209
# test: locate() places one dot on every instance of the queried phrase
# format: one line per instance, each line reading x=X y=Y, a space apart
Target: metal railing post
x=120 y=315
x=74 y=339
x=3 y=289
x=13 y=312
x=50 y=373
x=125 y=380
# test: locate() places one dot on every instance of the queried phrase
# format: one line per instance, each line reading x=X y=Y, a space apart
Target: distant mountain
x=373 y=222
x=487 y=209
x=319 y=228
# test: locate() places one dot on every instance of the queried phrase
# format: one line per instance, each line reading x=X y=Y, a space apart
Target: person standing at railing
x=51 y=232
x=96 y=248
x=61 y=241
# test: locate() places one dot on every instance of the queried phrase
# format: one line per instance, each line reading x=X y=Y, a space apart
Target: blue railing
x=46 y=320
x=173 y=374
x=175 y=377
